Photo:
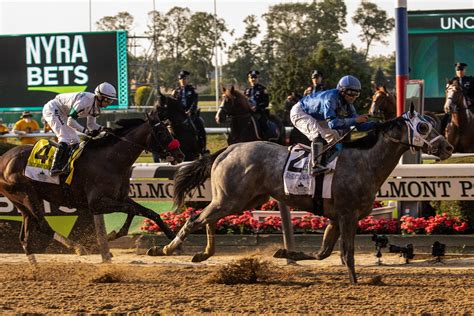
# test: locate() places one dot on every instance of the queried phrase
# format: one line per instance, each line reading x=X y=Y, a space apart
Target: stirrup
x=318 y=169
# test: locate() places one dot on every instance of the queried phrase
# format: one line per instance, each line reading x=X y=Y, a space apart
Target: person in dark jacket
x=188 y=97
x=259 y=100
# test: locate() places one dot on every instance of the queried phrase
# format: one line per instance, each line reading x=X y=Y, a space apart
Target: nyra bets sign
x=34 y=68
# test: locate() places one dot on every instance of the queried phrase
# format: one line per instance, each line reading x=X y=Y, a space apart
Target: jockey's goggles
x=352 y=93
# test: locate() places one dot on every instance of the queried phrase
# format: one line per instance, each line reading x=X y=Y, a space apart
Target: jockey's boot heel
x=59 y=160
x=316 y=167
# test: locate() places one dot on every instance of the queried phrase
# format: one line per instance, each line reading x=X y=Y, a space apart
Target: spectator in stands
x=46 y=127
x=3 y=130
x=26 y=125
x=188 y=97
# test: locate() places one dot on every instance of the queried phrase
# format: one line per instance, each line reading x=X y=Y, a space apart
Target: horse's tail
x=192 y=175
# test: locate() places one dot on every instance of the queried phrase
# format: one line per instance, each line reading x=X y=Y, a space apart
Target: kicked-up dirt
x=67 y=284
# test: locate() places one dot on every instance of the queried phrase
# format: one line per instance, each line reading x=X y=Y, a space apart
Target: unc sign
x=453 y=23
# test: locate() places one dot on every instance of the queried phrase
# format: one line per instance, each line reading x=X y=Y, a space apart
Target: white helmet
x=106 y=90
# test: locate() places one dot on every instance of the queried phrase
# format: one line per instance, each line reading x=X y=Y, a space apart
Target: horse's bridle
x=421 y=132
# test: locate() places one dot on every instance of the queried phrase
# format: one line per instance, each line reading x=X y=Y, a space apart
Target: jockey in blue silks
x=328 y=115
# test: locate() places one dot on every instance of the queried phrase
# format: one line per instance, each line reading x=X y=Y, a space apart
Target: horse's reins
x=337 y=141
x=414 y=147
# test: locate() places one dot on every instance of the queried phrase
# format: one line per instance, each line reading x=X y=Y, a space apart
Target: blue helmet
x=349 y=83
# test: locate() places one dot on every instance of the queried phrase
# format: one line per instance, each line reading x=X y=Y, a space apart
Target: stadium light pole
x=90 y=15
x=216 y=68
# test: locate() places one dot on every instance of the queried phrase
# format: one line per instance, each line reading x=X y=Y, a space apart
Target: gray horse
x=245 y=175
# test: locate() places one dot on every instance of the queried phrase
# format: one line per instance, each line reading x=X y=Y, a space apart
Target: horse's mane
x=126 y=125
x=372 y=137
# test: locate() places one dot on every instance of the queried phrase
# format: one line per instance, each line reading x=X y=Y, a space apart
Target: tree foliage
x=374 y=23
x=120 y=21
x=185 y=40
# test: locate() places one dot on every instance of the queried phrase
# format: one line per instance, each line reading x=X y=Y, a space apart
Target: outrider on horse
x=181 y=125
x=245 y=175
x=100 y=182
x=243 y=124
x=460 y=128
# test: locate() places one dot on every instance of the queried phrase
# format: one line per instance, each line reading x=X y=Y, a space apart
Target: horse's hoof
x=155 y=251
x=107 y=258
x=112 y=235
x=292 y=255
x=81 y=251
x=199 y=257
x=280 y=254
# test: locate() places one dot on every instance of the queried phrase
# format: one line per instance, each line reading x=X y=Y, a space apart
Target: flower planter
x=307 y=242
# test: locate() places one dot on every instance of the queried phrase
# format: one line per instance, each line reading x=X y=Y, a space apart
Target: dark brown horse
x=100 y=183
x=243 y=125
x=460 y=130
x=182 y=128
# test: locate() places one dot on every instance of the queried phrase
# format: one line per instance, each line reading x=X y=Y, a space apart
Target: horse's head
x=169 y=108
x=161 y=141
x=233 y=103
x=421 y=134
x=454 y=101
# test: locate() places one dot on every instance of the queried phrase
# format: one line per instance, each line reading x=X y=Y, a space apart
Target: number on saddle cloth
x=41 y=159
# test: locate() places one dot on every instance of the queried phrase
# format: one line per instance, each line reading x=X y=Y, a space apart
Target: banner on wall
x=34 y=68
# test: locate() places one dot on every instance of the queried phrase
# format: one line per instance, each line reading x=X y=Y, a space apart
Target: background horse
x=243 y=125
x=170 y=109
x=383 y=105
x=101 y=181
x=245 y=175
x=460 y=130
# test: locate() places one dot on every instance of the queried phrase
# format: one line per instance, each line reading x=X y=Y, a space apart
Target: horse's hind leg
x=210 y=247
x=331 y=235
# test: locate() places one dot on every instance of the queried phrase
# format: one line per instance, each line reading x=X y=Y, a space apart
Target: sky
x=47 y=16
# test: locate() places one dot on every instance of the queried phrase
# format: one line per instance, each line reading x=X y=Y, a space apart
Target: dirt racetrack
x=67 y=284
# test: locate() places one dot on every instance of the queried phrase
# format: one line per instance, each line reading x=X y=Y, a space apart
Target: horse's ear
x=412 y=109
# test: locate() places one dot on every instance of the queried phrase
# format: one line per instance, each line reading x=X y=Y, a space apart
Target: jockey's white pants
x=58 y=123
x=310 y=127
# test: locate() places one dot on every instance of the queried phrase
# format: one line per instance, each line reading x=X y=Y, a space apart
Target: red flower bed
x=439 y=224
x=246 y=224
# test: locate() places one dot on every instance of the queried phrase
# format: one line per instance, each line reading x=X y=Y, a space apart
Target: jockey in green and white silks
x=329 y=114
x=62 y=113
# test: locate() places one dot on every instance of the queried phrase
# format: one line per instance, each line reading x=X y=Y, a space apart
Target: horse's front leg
x=101 y=232
x=210 y=247
x=331 y=235
x=348 y=228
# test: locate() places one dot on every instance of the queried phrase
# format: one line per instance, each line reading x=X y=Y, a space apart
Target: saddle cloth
x=298 y=180
x=41 y=159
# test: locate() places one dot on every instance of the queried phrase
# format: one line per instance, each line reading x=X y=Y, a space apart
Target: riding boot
x=316 y=167
x=60 y=159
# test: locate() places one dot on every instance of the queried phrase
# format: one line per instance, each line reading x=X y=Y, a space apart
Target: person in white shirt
x=62 y=112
